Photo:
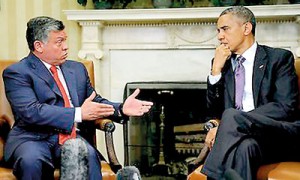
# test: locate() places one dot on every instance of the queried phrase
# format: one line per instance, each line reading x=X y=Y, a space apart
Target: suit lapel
x=69 y=75
x=260 y=64
x=230 y=81
x=40 y=70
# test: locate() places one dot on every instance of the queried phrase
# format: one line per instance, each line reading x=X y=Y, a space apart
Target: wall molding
x=207 y=14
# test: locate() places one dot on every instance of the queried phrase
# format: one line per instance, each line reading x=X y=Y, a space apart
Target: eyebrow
x=60 y=37
x=222 y=27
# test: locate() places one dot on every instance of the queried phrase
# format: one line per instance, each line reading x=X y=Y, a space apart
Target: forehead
x=57 y=34
x=228 y=20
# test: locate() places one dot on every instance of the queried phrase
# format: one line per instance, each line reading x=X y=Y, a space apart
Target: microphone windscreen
x=129 y=173
x=74 y=160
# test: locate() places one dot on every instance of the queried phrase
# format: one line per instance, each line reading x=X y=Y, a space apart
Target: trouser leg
x=227 y=138
x=94 y=163
x=33 y=161
x=245 y=159
x=236 y=127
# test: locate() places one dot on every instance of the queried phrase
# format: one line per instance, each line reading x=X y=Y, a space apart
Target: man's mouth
x=65 y=55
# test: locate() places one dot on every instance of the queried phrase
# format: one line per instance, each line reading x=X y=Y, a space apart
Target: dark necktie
x=239 y=82
x=63 y=137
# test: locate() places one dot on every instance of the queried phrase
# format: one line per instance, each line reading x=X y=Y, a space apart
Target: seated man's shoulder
x=276 y=50
x=74 y=63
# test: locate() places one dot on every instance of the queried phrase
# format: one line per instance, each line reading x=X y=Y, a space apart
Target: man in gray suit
x=49 y=95
x=261 y=127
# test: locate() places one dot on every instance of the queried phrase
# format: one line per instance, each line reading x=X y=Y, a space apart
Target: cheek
x=236 y=43
x=232 y=42
x=54 y=53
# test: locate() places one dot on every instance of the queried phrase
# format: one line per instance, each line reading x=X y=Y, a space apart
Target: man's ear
x=248 y=28
x=38 y=46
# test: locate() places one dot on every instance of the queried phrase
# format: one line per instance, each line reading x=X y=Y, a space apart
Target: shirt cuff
x=214 y=79
x=78 y=117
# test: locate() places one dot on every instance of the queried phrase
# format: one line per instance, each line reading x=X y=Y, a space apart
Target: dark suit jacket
x=275 y=88
x=37 y=103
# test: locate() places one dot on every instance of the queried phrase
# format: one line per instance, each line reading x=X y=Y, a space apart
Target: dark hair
x=243 y=13
x=39 y=28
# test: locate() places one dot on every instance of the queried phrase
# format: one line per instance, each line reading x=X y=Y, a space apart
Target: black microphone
x=129 y=173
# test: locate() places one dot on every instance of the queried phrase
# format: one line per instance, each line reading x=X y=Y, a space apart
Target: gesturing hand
x=135 y=107
x=92 y=110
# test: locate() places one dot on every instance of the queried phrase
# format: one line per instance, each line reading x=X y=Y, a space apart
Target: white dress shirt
x=77 y=117
x=249 y=55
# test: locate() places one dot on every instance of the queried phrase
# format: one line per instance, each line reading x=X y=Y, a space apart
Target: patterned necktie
x=63 y=137
x=239 y=82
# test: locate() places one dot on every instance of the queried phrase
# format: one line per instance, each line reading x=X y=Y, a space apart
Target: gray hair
x=38 y=29
x=242 y=13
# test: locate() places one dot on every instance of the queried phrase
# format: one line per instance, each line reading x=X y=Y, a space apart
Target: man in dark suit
x=46 y=110
x=262 y=126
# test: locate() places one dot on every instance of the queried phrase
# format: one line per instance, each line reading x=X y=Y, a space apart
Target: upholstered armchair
x=275 y=171
x=6 y=121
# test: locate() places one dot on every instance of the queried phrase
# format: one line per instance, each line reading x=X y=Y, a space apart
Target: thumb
x=91 y=97
x=135 y=93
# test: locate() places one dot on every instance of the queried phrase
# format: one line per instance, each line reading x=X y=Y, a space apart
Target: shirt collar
x=48 y=66
x=249 y=54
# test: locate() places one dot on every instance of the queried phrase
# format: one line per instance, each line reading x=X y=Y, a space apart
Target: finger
x=106 y=114
x=98 y=108
x=145 y=109
x=147 y=103
x=103 y=114
x=207 y=143
x=104 y=110
x=212 y=143
x=135 y=93
x=102 y=105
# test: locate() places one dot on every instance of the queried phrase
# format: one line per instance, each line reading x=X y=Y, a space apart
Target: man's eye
x=59 y=42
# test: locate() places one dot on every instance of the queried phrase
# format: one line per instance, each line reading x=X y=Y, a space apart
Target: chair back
x=5 y=110
x=89 y=65
x=297 y=67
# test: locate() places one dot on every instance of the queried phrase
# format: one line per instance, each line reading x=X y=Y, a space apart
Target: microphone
x=74 y=160
x=128 y=173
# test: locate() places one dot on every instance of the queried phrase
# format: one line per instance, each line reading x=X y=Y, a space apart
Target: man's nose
x=220 y=36
x=65 y=46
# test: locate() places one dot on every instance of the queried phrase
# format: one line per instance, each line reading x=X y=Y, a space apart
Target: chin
x=60 y=62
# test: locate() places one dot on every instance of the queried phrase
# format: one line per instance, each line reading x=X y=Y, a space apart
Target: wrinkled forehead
x=56 y=34
x=229 y=19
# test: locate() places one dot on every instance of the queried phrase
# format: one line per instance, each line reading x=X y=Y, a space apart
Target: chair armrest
x=105 y=125
x=4 y=127
x=108 y=127
x=4 y=130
